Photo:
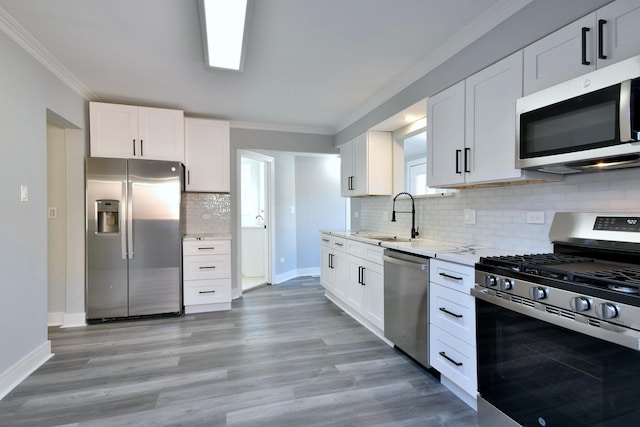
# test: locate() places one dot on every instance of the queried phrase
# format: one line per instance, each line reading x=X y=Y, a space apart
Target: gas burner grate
x=529 y=262
x=625 y=280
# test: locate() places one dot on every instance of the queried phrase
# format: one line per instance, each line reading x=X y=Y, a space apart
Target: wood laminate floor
x=283 y=356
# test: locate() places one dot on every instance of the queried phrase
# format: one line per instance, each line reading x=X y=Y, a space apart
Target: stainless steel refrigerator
x=134 y=233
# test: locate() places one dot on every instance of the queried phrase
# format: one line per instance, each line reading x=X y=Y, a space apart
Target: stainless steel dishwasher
x=406 y=303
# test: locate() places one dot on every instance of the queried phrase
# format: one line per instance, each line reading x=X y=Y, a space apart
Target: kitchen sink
x=391 y=238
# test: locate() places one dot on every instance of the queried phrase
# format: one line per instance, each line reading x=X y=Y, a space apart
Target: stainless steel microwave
x=588 y=123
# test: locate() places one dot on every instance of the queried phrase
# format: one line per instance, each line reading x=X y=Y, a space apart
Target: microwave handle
x=626 y=133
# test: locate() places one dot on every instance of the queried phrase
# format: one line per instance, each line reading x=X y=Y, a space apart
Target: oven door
x=542 y=374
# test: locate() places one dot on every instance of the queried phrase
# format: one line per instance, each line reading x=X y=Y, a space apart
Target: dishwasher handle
x=397 y=261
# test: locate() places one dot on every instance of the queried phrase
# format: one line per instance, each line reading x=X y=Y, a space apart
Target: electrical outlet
x=281 y=260
x=207 y=216
x=52 y=213
x=535 y=217
x=469 y=216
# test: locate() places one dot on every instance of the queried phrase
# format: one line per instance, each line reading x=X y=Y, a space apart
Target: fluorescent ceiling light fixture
x=223 y=30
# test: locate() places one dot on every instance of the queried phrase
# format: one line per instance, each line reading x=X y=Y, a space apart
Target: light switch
x=24 y=193
x=293 y=210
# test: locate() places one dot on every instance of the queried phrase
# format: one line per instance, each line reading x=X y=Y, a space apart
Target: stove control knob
x=607 y=311
x=505 y=284
x=489 y=281
x=537 y=293
x=579 y=304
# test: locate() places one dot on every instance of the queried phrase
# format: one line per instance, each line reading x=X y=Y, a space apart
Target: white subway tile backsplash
x=501 y=211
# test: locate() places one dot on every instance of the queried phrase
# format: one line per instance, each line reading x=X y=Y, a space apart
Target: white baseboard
x=74 y=320
x=204 y=308
x=13 y=376
x=292 y=274
x=55 y=319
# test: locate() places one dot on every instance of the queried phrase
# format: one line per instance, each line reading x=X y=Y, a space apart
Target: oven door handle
x=625 y=337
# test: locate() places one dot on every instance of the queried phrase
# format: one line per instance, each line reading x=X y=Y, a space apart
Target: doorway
x=256 y=219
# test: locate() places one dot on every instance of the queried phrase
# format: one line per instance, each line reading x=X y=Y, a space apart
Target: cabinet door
x=620 y=35
x=207 y=157
x=360 y=166
x=346 y=169
x=355 y=288
x=373 y=278
x=445 y=137
x=490 y=117
x=113 y=130
x=559 y=56
x=161 y=133
x=326 y=271
x=341 y=274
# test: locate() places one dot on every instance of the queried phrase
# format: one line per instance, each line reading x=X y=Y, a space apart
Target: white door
x=255 y=173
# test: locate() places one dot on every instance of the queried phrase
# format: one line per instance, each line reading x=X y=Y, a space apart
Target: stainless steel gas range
x=558 y=334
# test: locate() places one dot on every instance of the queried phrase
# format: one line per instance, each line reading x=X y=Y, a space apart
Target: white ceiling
x=310 y=65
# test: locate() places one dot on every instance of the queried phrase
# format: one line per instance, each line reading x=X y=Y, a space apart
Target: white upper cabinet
x=471 y=136
x=599 y=39
x=445 y=137
x=366 y=165
x=490 y=121
x=128 y=131
x=207 y=155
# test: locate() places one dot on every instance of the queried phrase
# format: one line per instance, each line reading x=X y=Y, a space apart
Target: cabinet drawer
x=454 y=276
x=339 y=243
x=453 y=312
x=206 y=247
x=326 y=240
x=366 y=251
x=207 y=291
x=206 y=267
x=454 y=359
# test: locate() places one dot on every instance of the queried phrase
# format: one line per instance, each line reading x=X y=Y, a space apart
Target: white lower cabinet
x=352 y=273
x=452 y=328
x=206 y=270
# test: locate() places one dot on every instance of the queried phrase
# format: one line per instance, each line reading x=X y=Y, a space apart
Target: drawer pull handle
x=443 y=354
x=448 y=276
x=325 y=240
x=210 y=248
x=338 y=244
x=444 y=310
x=207 y=267
x=207 y=292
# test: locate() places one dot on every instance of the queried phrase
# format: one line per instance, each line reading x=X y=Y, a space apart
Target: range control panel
x=617 y=223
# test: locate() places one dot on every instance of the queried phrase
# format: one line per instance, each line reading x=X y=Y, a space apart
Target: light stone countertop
x=447 y=251
x=213 y=236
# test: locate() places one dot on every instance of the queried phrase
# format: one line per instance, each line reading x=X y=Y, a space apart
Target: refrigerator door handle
x=130 y=218
x=123 y=217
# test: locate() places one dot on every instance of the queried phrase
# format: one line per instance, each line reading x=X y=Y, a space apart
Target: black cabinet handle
x=189 y=177
x=450 y=276
x=330 y=260
x=443 y=354
x=458 y=153
x=361 y=275
x=141 y=152
x=207 y=292
x=134 y=147
x=585 y=30
x=210 y=267
x=601 y=23
x=444 y=310
x=467 y=151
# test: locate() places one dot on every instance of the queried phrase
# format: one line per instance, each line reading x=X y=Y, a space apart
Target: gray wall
x=285 y=222
x=28 y=90
x=318 y=205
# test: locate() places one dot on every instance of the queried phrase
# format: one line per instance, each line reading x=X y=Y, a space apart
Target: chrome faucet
x=414 y=230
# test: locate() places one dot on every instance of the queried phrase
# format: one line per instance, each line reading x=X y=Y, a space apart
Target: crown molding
x=476 y=29
x=282 y=128
x=26 y=41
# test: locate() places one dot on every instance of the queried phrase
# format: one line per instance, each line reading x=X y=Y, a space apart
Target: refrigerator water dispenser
x=108 y=216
